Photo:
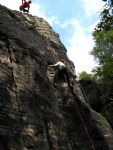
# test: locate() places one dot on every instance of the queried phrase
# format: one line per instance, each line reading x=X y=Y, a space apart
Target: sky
x=74 y=21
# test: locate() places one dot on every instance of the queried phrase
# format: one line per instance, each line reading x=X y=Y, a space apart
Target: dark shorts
x=61 y=74
x=23 y=9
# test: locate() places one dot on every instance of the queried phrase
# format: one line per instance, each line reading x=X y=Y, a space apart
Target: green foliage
x=108 y=113
x=103 y=54
x=106 y=21
x=84 y=75
x=103 y=50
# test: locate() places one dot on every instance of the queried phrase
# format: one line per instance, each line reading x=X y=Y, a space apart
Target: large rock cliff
x=35 y=115
x=92 y=93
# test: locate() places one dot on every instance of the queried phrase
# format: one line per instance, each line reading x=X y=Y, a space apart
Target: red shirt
x=26 y=4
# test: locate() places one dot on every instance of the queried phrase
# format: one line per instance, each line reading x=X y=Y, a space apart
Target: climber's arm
x=55 y=65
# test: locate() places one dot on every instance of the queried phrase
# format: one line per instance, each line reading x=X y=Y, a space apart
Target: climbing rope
x=76 y=106
x=83 y=92
x=72 y=96
x=82 y=120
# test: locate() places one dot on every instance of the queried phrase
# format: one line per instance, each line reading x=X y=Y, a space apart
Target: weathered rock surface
x=33 y=114
x=92 y=93
x=108 y=113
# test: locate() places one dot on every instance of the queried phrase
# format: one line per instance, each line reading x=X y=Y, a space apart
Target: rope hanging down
x=82 y=119
x=77 y=108
x=73 y=98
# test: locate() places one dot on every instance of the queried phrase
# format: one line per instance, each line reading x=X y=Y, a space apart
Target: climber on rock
x=61 y=71
x=25 y=6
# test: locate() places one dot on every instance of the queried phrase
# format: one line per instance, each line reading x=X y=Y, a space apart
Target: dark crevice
x=47 y=133
x=15 y=85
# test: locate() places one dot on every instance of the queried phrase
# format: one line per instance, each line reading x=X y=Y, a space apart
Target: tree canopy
x=103 y=53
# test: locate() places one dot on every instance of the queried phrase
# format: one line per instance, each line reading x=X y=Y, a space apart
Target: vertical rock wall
x=33 y=114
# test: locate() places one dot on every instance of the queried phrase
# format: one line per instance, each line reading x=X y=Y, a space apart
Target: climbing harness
x=73 y=97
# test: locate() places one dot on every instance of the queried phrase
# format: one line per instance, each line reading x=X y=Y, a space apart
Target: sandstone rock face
x=92 y=93
x=108 y=113
x=33 y=114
